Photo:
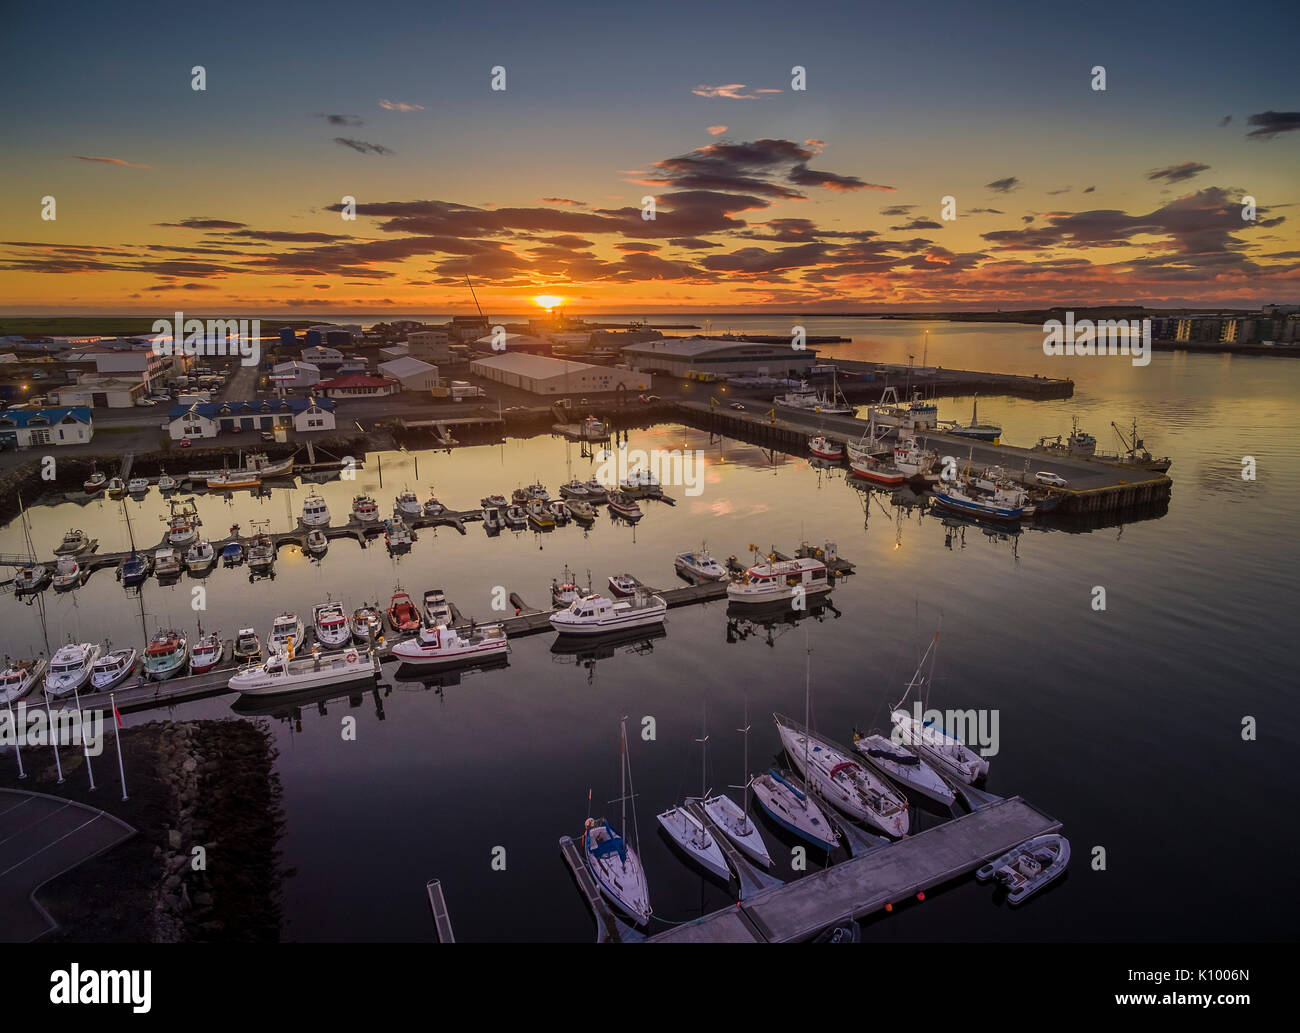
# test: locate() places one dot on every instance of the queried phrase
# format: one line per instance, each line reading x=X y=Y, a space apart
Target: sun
x=548 y=300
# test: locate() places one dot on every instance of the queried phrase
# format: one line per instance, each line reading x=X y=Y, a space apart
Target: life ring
x=352 y=656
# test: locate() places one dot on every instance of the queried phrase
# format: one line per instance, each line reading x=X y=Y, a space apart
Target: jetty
x=441 y=918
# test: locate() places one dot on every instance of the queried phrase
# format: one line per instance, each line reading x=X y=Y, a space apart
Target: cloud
x=1178 y=173
x=987 y=211
x=731 y=91
x=569 y=202
x=898 y=209
x=695 y=243
x=1063 y=190
x=1271 y=123
x=342 y=120
x=182 y=287
x=1089 y=190
x=112 y=161
x=1004 y=186
x=361 y=147
x=203 y=224
x=716 y=130
x=397 y=105
x=1225 y=120
x=919 y=224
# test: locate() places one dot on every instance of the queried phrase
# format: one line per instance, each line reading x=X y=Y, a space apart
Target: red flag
x=116 y=716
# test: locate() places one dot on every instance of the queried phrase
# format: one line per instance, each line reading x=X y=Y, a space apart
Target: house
x=412 y=374
x=26 y=428
x=322 y=356
x=293 y=375
x=103 y=392
x=357 y=385
x=208 y=419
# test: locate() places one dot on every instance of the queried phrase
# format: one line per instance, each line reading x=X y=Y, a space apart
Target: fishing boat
x=167 y=483
x=575 y=489
x=256 y=464
x=287 y=633
x=70 y=668
x=440 y=644
x=94 y=484
x=1079 y=445
x=904 y=766
x=689 y=833
x=247 y=645
x=364 y=509
x=116 y=488
x=624 y=506
x=367 y=624
x=613 y=862
x=437 y=611
x=330 y=621
x=878 y=471
x=19 y=677
x=581 y=511
x=842 y=781
x=806 y=398
x=234 y=480
x=596 y=492
x=1005 y=503
x=623 y=585
x=559 y=512
x=596 y=615
x=315 y=513
x=492 y=519
x=791 y=808
x=698 y=565
x=974 y=429
x=113 y=668
x=317 y=543
x=825 y=448
x=206 y=652
x=913 y=461
x=165 y=655
x=200 y=556
x=183 y=524
x=167 y=563
x=32 y=577
x=516 y=516
x=280 y=673
x=261 y=552
x=1135 y=452
x=408 y=503
x=539 y=516
x=135 y=569
x=397 y=535
x=494 y=502
x=945 y=752
x=779 y=581
x=1029 y=867
x=733 y=819
x=432 y=507
x=910 y=416
x=592 y=429
x=519 y=496
x=403 y=617
x=67 y=573
x=564 y=589
x=74 y=541
x=537 y=492
x=137 y=486
x=642 y=483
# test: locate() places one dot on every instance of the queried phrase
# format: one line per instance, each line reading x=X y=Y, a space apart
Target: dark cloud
x=1225 y=120
x=898 y=209
x=693 y=242
x=203 y=224
x=1271 y=123
x=987 y=211
x=342 y=120
x=564 y=201
x=1178 y=173
x=1089 y=190
x=361 y=147
x=1003 y=186
x=918 y=224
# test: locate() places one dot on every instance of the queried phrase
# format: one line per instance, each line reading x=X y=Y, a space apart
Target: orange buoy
x=889 y=907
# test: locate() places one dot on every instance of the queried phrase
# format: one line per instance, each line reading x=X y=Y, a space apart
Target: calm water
x=1124 y=724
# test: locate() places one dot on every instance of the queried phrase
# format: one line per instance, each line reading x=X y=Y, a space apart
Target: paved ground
x=42 y=837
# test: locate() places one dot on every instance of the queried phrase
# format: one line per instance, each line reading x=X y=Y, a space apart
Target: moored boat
x=19 y=677
x=315 y=513
x=581 y=511
x=137 y=486
x=364 y=509
x=779 y=581
x=559 y=512
x=437 y=610
x=689 y=833
x=494 y=502
x=624 y=506
x=74 y=541
x=200 y=556
x=539 y=516
x=826 y=448
x=904 y=766
x=440 y=644
x=279 y=673
x=878 y=471
x=32 y=577
x=113 y=668
x=206 y=652
x=623 y=585
x=1029 y=867
x=596 y=492
x=67 y=573
x=596 y=615
x=612 y=861
x=116 y=488
x=367 y=624
x=516 y=516
x=791 y=808
x=261 y=552
x=287 y=634
x=575 y=489
x=165 y=655
x=432 y=507
x=70 y=668
x=564 y=589
x=403 y=617
x=247 y=645
x=330 y=621
x=492 y=519
x=166 y=563
x=906 y=416
x=396 y=534
x=407 y=503
x=94 y=484
x=135 y=568
x=698 y=565
x=167 y=482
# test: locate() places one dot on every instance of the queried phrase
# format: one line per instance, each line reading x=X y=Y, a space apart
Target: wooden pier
x=441 y=919
x=863 y=885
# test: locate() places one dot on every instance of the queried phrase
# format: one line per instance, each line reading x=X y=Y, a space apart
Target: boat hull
x=697 y=844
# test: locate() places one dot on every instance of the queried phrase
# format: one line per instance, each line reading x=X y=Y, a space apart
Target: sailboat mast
x=622 y=777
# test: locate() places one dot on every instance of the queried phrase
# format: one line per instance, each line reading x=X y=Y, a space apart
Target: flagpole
x=117 y=738
x=54 y=739
x=84 y=744
x=18 y=750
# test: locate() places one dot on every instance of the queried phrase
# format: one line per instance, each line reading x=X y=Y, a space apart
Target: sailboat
x=975 y=429
x=33 y=576
x=733 y=819
x=136 y=567
x=689 y=833
x=614 y=864
x=946 y=752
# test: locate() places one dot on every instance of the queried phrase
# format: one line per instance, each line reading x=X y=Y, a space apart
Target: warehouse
x=682 y=356
x=541 y=375
x=412 y=374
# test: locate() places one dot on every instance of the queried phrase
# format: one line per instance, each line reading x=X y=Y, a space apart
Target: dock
x=441 y=919
x=863 y=885
x=752 y=880
x=609 y=927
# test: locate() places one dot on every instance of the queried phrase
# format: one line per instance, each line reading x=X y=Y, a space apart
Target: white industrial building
x=542 y=375
x=291 y=375
x=103 y=392
x=682 y=356
x=412 y=374
x=429 y=345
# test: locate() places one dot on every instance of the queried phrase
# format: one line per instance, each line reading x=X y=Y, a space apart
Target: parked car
x=738 y=405
x=267 y=436
x=1054 y=479
x=185 y=442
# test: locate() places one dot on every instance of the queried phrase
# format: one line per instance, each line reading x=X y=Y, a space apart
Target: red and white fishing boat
x=624 y=506
x=622 y=585
x=402 y=614
x=206 y=652
x=444 y=645
x=95 y=483
x=824 y=448
x=878 y=471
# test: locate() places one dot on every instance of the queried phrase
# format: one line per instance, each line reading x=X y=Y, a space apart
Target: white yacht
x=200 y=556
x=689 y=833
x=286 y=633
x=950 y=754
x=443 y=645
x=408 y=504
x=113 y=668
x=279 y=674
x=779 y=581
x=595 y=615
x=314 y=511
x=805 y=398
x=18 y=678
x=330 y=620
x=791 y=808
x=70 y=668
x=364 y=509
x=698 y=565
x=137 y=485
x=67 y=573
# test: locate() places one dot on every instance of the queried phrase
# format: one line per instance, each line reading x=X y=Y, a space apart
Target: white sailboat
x=733 y=819
x=614 y=863
x=948 y=753
x=905 y=767
x=689 y=833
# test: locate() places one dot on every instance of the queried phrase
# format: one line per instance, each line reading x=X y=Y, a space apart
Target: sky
x=829 y=197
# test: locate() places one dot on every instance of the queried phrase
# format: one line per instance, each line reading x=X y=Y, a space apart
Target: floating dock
x=441 y=919
x=863 y=885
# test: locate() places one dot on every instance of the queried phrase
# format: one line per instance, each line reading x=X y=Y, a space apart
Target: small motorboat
x=167 y=483
x=624 y=505
x=878 y=471
x=537 y=493
x=32 y=577
x=233 y=480
x=407 y=503
x=206 y=652
x=67 y=573
x=367 y=624
x=280 y=673
x=844 y=932
x=70 y=668
x=1029 y=867
x=564 y=589
x=182 y=528
x=581 y=511
x=539 y=516
x=261 y=552
x=825 y=448
x=331 y=623
x=403 y=617
x=440 y=644
x=167 y=563
x=698 y=565
x=904 y=767
x=596 y=492
x=559 y=512
x=19 y=677
x=575 y=489
x=492 y=519
x=232 y=555
x=116 y=488
x=247 y=645
x=364 y=509
x=200 y=557
x=137 y=486
x=314 y=511
x=317 y=543
x=287 y=633
x=642 y=483
x=135 y=568
x=689 y=833
x=516 y=516
x=519 y=496
x=623 y=585
x=165 y=655
x=494 y=502
x=596 y=615
x=94 y=484
x=432 y=507
x=437 y=610
x=792 y=809
x=397 y=535
x=76 y=540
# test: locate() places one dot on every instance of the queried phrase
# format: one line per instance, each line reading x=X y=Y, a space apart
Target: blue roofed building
x=208 y=419
x=32 y=428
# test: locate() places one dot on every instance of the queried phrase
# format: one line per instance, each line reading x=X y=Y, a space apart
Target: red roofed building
x=357 y=385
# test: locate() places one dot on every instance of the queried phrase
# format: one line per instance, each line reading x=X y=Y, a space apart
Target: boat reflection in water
x=446 y=675
x=289 y=706
x=771 y=620
x=586 y=651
